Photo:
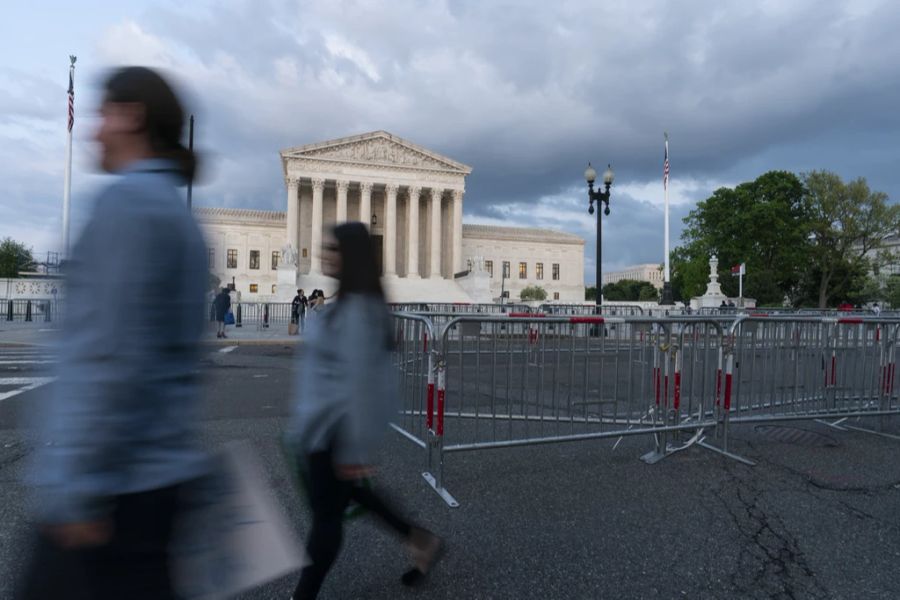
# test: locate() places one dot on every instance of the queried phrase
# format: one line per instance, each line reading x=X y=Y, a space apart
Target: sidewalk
x=45 y=334
x=250 y=334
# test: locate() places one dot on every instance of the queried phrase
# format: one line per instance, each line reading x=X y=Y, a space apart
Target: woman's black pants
x=328 y=499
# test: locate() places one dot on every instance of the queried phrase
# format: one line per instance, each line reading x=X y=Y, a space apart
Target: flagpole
x=67 y=192
x=667 y=298
x=667 y=280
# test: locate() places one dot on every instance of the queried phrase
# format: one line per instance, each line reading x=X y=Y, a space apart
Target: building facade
x=411 y=199
x=517 y=258
x=649 y=272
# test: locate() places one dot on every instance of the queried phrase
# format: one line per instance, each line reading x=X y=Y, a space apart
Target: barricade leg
x=435 y=473
x=10 y=312
x=726 y=411
x=28 y=310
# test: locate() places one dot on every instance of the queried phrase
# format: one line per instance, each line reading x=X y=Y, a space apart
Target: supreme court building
x=412 y=200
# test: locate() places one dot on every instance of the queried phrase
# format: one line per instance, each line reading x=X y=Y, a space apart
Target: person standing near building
x=298 y=309
x=119 y=439
x=344 y=399
x=222 y=304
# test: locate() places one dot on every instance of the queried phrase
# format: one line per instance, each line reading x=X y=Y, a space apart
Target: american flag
x=666 y=165
x=71 y=96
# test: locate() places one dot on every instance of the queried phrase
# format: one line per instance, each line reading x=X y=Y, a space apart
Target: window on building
x=556 y=295
x=254 y=288
x=254 y=259
x=305 y=254
x=276 y=256
x=211 y=258
x=539 y=270
x=555 y=271
x=505 y=269
x=232 y=258
x=523 y=270
x=489 y=267
x=273 y=288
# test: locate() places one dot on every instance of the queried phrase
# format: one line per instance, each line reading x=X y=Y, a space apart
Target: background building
x=411 y=198
x=649 y=272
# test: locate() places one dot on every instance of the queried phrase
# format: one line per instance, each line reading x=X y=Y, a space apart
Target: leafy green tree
x=762 y=223
x=892 y=291
x=629 y=290
x=848 y=224
x=590 y=293
x=648 y=293
x=15 y=257
x=534 y=292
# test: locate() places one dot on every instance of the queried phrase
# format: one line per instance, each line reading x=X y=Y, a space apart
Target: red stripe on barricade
x=591 y=320
x=759 y=314
x=850 y=320
x=521 y=315
x=877 y=334
x=676 y=401
x=727 y=401
x=666 y=390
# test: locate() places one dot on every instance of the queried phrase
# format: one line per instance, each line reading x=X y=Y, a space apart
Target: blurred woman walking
x=344 y=400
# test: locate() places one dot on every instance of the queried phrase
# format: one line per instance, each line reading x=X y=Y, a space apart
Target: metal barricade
x=811 y=368
x=529 y=379
x=606 y=310
x=414 y=360
x=457 y=308
x=31 y=310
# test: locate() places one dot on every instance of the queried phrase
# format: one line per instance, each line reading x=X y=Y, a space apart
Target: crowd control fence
x=44 y=311
x=516 y=379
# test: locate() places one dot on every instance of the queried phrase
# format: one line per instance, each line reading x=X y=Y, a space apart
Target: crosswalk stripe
x=28 y=362
x=227 y=349
x=28 y=383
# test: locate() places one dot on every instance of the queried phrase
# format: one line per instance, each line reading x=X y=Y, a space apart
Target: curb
x=252 y=342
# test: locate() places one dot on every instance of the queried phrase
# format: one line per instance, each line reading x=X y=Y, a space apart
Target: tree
x=848 y=224
x=630 y=290
x=534 y=292
x=15 y=257
x=762 y=223
x=590 y=293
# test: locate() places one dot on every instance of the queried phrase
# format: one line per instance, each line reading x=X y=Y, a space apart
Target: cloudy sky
x=524 y=92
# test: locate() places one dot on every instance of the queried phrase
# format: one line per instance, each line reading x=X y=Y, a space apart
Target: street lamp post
x=600 y=197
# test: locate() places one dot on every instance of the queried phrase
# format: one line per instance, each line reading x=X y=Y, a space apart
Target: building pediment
x=378 y=149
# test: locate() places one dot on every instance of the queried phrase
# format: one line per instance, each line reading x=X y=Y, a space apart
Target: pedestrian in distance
x=344 y=399
x=119 y=436
x=876 y=309
x=222 y=305
x=298 y=310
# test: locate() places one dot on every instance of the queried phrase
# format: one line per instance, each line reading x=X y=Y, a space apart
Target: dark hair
x=163 y=113
x=359 y=272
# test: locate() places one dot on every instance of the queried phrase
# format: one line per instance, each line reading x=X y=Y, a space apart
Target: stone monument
x=477 y=281
x=713 y=297
x=286 y=288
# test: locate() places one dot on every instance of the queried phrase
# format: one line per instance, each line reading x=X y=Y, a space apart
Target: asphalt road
x=816 y=518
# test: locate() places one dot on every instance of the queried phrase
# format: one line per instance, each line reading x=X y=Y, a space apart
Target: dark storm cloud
x=528 y=93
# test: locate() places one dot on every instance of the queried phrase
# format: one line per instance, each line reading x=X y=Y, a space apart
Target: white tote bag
x=235 y=537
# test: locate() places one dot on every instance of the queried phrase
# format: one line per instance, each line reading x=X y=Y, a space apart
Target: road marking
x=29 y=383
x=28 y=362
x=227 y=349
